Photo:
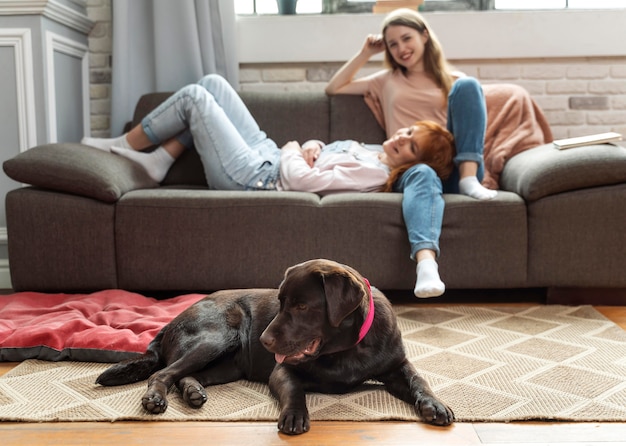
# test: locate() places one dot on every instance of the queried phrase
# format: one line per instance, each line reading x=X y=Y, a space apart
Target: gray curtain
x=163 y=45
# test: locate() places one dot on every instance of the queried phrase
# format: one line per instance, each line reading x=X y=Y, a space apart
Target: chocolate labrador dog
x=324 y=330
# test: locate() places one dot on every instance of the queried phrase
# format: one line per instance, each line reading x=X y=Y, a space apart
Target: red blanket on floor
x=106 y=326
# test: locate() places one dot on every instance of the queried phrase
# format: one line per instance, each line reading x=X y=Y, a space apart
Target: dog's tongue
x=309 y=350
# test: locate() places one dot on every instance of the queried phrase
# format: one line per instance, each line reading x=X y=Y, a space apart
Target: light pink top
x=397 y=101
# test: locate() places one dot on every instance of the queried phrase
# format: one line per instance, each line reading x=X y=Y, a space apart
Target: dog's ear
x=344 y=294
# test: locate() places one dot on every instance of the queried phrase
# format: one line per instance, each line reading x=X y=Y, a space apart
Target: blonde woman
x=418 y=84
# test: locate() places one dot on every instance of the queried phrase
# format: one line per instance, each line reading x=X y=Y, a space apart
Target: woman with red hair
x=237 y=155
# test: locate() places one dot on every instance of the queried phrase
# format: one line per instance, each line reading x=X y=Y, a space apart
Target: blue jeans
x=236 y=154
x=422 y=199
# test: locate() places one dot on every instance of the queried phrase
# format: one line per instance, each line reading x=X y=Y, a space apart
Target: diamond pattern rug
x=489 y=364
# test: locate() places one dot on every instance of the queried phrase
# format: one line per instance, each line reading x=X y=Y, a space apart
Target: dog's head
x=322 y=304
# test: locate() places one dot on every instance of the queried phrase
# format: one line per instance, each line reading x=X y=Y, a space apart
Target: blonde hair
x=435 y=64
x=437 y=150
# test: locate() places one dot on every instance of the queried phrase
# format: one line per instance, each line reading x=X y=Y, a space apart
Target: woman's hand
x=374 y=44
x=311 y=151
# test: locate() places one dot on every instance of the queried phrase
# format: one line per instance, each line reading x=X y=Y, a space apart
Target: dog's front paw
x=194 y=395
x=154 y=402
x=294 y=422
x=433 y=411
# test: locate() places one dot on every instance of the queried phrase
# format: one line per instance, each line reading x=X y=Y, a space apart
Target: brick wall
x=579 y=96
x=100 y=66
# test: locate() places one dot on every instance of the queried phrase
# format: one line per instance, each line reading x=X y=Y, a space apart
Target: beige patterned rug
x=489 y=364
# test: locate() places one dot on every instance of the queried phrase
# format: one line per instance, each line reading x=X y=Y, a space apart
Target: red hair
x=437 y=150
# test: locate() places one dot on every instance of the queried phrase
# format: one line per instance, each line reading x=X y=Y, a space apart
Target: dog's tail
x=134 y=369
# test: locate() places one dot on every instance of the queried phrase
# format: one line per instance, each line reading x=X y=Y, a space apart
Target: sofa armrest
x=546 y=170
x=78 y=169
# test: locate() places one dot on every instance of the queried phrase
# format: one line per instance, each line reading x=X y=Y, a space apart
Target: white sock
x=471 y=187
x=106 y=143
x=428 y=282
x=157 y=163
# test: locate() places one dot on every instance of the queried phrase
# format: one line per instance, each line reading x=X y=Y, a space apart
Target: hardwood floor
x=322 y=433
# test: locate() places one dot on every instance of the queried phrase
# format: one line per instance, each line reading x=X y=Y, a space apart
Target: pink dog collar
x=367 y=323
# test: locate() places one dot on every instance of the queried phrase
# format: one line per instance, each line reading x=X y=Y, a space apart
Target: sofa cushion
x=297 y=116
x=350 y=118
x=484 y=243
x=179 y=238
x=567 y=230
x=546 y=170
x=78 y=169
x=60 y=242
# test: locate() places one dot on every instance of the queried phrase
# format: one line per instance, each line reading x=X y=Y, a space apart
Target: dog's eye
x=302 y=307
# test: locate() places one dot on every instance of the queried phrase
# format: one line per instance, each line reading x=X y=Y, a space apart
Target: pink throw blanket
x=514 y=123
x=106 y=326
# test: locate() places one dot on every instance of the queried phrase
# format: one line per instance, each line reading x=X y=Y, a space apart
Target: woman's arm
x=343 y=81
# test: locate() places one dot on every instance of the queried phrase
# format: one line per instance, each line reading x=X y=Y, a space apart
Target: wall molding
x=52 y=9
x=63 y=45
x=20 y=40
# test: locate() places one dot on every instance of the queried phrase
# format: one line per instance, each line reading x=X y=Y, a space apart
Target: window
x=560 y=4
x=271 y=7
x=343 y=6
x=359 y=6
x=350 y=6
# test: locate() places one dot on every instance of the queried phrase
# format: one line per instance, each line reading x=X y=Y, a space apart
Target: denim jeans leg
x=422 y=207
x=467 y=121
x=234 y=107
x=229 y=162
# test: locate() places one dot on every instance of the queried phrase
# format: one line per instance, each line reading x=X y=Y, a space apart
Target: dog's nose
x=267 y=340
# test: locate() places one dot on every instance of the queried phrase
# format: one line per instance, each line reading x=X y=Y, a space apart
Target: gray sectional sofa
x=90 y=220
